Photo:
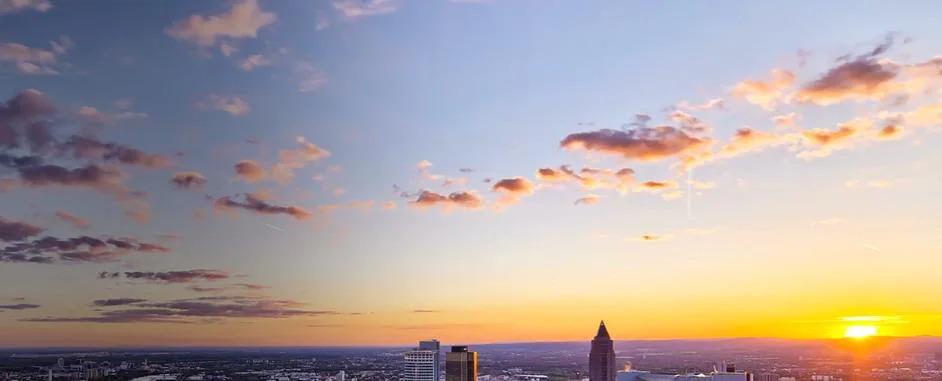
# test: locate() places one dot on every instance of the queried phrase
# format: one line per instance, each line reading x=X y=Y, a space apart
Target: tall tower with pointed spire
x=602 y=356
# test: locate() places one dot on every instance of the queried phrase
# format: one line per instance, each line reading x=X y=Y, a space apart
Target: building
x=461 y=364
x=423 y=363
x=602 y=356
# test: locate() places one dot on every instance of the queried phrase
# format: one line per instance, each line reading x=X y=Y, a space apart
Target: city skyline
x=372 y=172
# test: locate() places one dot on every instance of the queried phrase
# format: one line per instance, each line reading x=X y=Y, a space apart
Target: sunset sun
x=860 y=331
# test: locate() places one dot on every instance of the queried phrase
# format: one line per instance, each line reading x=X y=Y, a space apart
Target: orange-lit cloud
x=766 y=94
x=464 y=200
x=73 y=220
x=249 y=171
x=187 y=180
x=255 y=203
x=643 y=143
x=865 y=78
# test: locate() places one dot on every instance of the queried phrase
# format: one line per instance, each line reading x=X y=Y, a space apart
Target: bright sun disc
x=860 y=331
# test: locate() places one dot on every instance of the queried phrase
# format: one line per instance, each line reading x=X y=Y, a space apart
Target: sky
x=376 y=172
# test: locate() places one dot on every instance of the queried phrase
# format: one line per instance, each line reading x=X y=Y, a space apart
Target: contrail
x=274 y=227
x=871 y=247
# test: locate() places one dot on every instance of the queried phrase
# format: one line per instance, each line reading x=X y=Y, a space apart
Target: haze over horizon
x=374 y=172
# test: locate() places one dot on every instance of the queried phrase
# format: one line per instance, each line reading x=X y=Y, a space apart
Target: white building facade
x=423 y=363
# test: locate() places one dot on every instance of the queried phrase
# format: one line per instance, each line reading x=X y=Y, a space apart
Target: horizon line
x=400 y=346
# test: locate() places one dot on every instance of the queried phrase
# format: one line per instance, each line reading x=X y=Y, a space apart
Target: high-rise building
x=423 y=363
x=461 y=364
x=602 y=356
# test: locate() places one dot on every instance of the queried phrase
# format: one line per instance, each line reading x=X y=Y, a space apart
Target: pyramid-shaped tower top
x=603 y=332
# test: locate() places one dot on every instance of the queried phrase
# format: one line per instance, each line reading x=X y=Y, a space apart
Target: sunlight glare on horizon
x=860 y=331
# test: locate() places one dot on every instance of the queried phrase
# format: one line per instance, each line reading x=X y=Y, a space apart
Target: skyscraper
x=422 y=363
x=461 y=364
x=602 y=356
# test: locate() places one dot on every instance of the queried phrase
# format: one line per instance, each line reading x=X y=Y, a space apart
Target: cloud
x=825 y=137
x=76 y=221
x=205 y=289
x=179 y=276
x=658 y=186
x=243 y=20
x=13 y=6
x=643 y=143
x=890 y=131
x=290 y=160
x=860 y=79
x=93 y=116
x=512 y=189
x=354 y=9
x=230 y=104
x=747 y=140
x=514 y=186
x=19 y=306
x=24 y=121
x=465 y=200
x=785 y=120
x=589 y=178
x=188 y=311
x=650 y=238
x=17 y=231
x=689 y=123
x=924 y=116
x=83 y=147
x=35 y=61
x=256 y=205
x=589 y=199
x=822 y=142
x=249 y=171
x=116 y=302
x=765 y=94
x=254 y=61
x=311 y=77
x=424 y=311
x=109 y=180
x=105 y=179
x=250 y=286
x=76 y=249
x=710 y=104
x=425 y=171
x=423 y=166
x=188 y=180
x=550 y=174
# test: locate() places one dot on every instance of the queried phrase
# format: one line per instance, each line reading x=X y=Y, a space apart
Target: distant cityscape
x=603 y=360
